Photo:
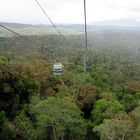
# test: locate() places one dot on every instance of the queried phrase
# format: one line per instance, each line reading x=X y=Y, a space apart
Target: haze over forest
x=39 y=102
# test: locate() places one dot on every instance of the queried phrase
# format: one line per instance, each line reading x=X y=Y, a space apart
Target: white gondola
x=57 y=68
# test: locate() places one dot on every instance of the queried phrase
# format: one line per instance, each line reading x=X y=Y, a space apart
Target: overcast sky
x=67 y=11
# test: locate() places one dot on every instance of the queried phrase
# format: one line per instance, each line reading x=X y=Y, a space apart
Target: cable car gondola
x=57 y=68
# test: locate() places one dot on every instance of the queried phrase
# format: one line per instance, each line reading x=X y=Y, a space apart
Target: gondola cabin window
x=57 y=68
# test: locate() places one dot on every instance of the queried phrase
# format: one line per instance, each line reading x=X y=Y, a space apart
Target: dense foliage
x=103 y=104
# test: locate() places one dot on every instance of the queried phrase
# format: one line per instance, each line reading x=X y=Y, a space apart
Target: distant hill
x=110 y=38
x=71 y=29
x=80 y=27
x=26 y=29
x=16 y=25
x=118 y=22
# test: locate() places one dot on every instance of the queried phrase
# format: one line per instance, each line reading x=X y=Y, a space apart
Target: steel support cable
x=63 y=37
x=28 y=40
x=25 y=38
x=85 y=57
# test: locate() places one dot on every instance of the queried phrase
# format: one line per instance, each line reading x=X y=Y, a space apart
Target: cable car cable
x=51 y=21
x=28 y=40
x=86 y=41
x=25 y=38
